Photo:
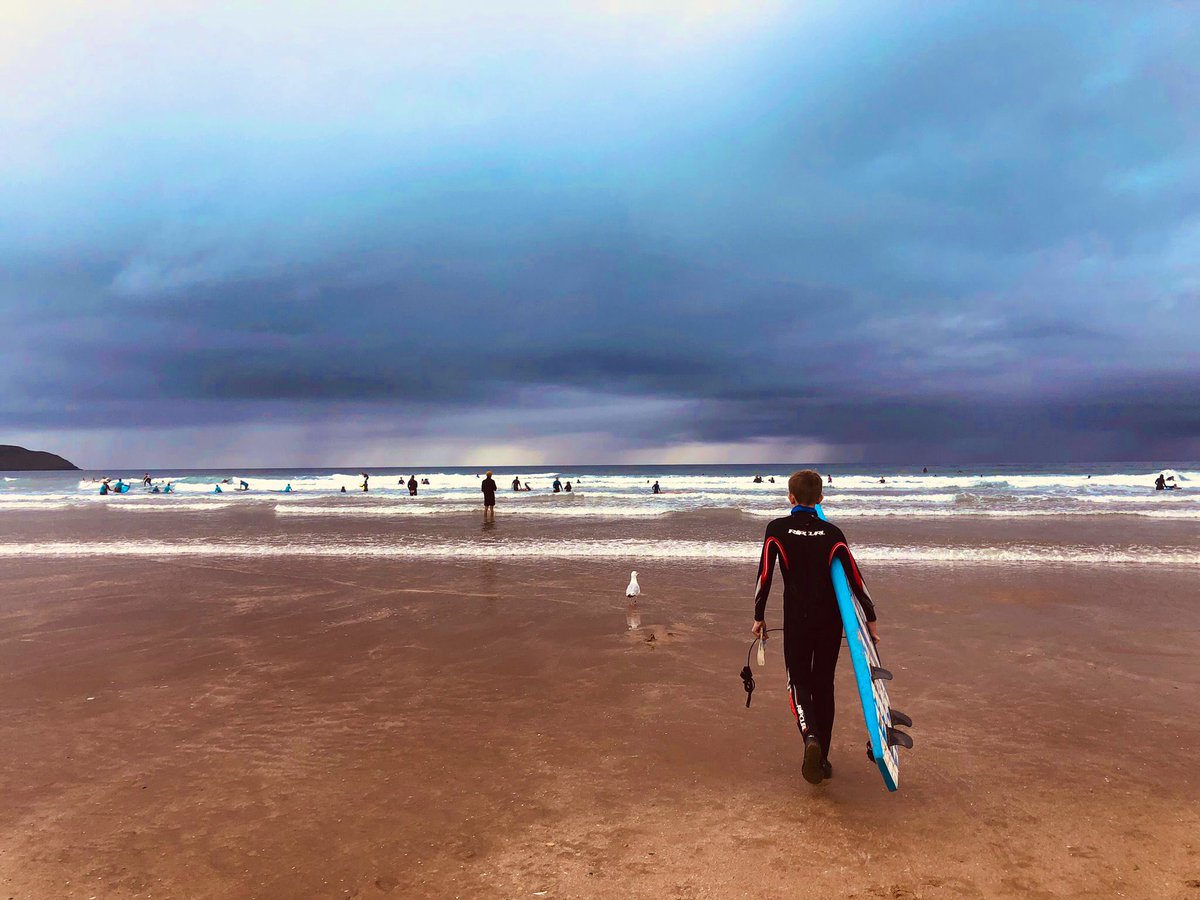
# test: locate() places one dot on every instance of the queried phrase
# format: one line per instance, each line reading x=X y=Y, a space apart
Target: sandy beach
x=293 y=727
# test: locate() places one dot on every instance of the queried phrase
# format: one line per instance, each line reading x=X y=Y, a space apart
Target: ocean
x=1101 y=513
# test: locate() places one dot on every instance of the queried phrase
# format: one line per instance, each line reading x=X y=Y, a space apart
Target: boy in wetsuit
x=805 y=545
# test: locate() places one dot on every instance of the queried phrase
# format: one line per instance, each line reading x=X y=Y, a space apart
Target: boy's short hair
x=805 y=486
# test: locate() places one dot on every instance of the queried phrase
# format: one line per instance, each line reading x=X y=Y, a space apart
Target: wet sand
x=364 y=728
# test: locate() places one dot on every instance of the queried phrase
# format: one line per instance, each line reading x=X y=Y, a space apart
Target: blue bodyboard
x=872 y=693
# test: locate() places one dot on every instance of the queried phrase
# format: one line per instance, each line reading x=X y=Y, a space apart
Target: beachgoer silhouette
x=656 y=489
x=557 y=485
x=568 y=487
x=488 y=487
x=516 y=484
x=412 y=486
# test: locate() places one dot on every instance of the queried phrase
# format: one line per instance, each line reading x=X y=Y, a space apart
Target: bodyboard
x=872 y=692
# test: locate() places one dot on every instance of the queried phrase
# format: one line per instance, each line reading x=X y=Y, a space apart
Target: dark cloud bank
x=971 y=238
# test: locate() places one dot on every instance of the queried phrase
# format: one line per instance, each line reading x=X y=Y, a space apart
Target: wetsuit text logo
x=806 y=533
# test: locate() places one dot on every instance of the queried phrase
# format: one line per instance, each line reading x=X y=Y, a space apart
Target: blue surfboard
x=870 y=677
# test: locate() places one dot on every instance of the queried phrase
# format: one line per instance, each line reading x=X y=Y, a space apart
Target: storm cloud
x=848 y=231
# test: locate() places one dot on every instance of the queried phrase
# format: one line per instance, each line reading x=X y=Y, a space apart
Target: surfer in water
x=488 y=487
x=804 y=545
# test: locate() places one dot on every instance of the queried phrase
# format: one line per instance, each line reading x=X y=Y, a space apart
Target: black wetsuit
x=488 y=486
x=805 y=545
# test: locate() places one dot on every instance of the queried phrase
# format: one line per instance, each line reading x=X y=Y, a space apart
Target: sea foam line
x=627 y=550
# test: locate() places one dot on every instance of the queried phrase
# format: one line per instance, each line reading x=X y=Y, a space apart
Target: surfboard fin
x=899 y=718
x=897 y=738
x=879 y=673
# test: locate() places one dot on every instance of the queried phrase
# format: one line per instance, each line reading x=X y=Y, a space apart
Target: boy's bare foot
x=811 y=770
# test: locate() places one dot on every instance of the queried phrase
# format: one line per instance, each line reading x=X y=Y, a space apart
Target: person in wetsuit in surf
x=804 y=545
x=488 y=487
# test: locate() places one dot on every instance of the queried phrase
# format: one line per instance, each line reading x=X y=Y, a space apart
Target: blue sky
x=295 y=234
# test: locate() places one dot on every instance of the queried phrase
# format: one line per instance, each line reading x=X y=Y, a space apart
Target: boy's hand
x=874 y=633
x=760 y=628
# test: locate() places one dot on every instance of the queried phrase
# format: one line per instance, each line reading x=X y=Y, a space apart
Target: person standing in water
x=488 y=487
x=412 y=485
x=804 y=545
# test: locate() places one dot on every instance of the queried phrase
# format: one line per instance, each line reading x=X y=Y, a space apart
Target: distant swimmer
x=243 y=485
x=366 y=479
x=557 y=485
x=287 y=489
x=217 y=489
x=656 y=489
x=925 y=471
x=424 y=481
x=488 y=487
x=758 y=479
x=883 y=481
x=830 y=477
x=568 y=487
x=343 y=489
x=1160 y=483
x=146 y=478
x=516 y=484
x=526 y=487
x=103 y=488
x=156 y=490
x=771 y=479
x=412 y=486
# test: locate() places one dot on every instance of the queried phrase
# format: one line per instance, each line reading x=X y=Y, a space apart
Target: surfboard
x=884 y=739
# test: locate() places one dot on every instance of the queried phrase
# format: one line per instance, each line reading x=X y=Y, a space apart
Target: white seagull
x=634 y=588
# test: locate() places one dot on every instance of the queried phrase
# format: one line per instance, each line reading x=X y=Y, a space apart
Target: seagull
x=634 y=588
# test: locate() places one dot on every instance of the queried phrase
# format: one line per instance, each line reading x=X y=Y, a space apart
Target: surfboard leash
x=747 y=672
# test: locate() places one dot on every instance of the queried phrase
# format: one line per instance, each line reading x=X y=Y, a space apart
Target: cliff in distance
x=18 y=459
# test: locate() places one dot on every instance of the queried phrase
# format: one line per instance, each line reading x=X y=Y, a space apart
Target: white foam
x=628 y=550
x=415 y=509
